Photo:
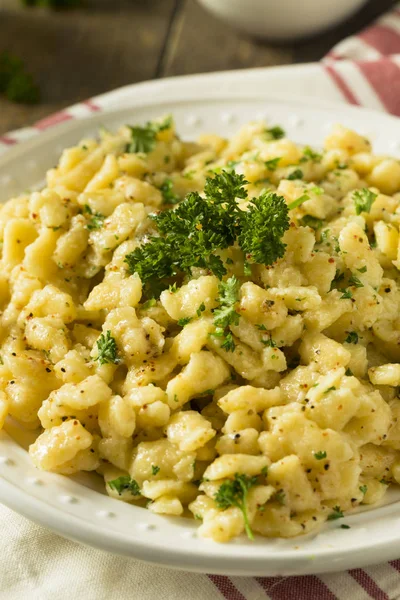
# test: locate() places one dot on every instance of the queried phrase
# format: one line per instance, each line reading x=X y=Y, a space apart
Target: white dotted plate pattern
x=77 y=507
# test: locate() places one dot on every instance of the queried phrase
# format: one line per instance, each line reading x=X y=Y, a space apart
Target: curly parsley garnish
x=125 y=483
x=262 y=229
x=191 y=234
x=226 y=314
x=363 y=200
x=107 y=349
x=234 y=493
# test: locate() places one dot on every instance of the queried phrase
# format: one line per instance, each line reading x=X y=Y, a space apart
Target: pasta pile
x=256 y=397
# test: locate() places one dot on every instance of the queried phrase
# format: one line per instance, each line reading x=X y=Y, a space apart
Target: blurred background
x=93 y=46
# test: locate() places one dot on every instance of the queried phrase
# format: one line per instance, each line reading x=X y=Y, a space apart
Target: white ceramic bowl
x=282 y=19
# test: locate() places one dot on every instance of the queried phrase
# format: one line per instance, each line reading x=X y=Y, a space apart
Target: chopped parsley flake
x=352 y=338
x=330 y=389
x=336 y=514
x=169 y=196
x=313 y=222
x=184 y=321
x=275 y=133
x=320 y=455
x=272 y=164
x=363 y=489
x=155 y=469
x=96 y=221
x=296 y=174
x=346 y=294
x=310 y=154
x=125 y=483
x=363 y=200
x=353 y=280
x=201 y=309
x=143 y=139
x=279 y=497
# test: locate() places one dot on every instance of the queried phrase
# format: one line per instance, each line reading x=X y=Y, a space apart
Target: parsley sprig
x=226 y=315
x=107 y=349
x=234 y=493
x=191 y=234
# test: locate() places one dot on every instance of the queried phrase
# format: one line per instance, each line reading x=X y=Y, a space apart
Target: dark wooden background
x=109 y=43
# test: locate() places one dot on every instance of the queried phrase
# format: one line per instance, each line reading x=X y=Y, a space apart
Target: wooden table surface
x=109 y=43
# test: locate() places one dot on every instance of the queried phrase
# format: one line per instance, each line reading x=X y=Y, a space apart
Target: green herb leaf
x=143 y=139
x=272 y=164
x=353 y=280
x=352 y=338
x=107 y=349
x=320 y=455
x=275 y=133
x=298 y=202
x=279 y=497
x=234 y=493
x=310 y=154
x=330 y=389
x=262 y=228
x=226 y=315
x=184 y=321
x=201 y=309
x=155 y=469
x=313 y=222
x=346 y=294
x=169 y=196
x=296 y=174
x=363 y=489
x=96 y=221
x=363 y=200
x=336 y=514
x=124 y=483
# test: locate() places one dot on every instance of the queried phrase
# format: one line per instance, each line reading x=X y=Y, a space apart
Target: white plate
x=77 y=507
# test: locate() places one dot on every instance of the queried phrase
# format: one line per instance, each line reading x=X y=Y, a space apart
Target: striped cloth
x=362 y=70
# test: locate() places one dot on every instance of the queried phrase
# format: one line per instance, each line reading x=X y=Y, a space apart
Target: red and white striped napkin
x=362 y=70
x=366 y=67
